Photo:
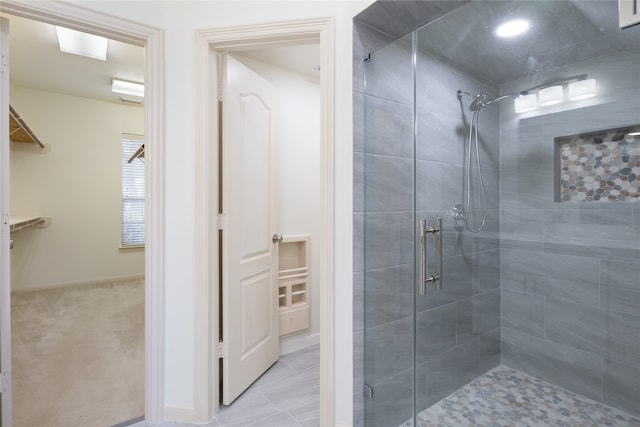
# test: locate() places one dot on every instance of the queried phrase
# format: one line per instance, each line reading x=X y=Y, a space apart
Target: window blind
x=132 y=194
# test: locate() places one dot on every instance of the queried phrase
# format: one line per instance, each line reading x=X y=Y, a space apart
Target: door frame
x=210 y=43
x=152 y=40
x=6 y=409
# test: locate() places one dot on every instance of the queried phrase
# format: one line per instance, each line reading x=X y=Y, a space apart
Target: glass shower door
x=431 y=285
x=458 y=317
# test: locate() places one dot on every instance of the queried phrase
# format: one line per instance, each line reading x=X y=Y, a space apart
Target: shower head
x=479 y=101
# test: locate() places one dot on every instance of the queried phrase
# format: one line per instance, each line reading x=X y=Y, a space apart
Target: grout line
x=292 y=417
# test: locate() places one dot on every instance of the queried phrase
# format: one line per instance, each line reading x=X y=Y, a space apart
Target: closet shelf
x=19 y=223
x=19 y=131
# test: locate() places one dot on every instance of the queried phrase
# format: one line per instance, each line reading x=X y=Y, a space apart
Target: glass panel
x=458 y=326
x=527 y=147
x=389 y=235
x=551 y=274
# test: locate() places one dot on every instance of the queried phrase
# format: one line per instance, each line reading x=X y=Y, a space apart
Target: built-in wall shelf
x=294 y=283
x=19 y=131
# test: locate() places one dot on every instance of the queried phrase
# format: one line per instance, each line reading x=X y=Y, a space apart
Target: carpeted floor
x=78 y=355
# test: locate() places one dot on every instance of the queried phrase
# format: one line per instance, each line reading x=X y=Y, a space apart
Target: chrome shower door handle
x=424 y=276
x=422 y=285
x=438 y=233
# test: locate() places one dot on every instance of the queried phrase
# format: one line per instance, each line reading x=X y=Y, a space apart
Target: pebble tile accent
x=600 y=167
x=506 y=397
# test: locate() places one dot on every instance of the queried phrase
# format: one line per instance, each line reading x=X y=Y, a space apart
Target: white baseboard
x=294 y=343
x=78 y=283
x=179 y=415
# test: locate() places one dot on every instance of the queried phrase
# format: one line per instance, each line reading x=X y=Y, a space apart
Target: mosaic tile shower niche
x=601 y=166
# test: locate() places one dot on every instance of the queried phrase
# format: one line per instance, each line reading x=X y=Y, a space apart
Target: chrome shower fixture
x=481 y=100
x=478 y=102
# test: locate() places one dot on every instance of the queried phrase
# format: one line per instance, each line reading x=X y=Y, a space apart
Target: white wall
x=78 y=184
x=299 y=171
x=179 y=20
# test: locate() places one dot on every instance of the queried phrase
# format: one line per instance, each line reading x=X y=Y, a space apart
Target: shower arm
x=500 y=98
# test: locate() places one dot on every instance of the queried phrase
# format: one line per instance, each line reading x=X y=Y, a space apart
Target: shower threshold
x=504 y=396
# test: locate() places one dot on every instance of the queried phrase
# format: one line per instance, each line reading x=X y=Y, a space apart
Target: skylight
x=83 y=44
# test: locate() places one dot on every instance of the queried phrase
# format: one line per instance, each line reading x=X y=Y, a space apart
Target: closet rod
x=24 y=126
x=139 y=153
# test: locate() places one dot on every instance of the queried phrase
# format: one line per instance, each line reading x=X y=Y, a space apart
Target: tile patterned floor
x=287 y=395
x=505 y=397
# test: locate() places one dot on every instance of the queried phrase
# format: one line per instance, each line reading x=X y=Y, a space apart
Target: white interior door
x=249 y=255
x=5 y=277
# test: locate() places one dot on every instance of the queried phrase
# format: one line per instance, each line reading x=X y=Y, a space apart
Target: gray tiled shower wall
x=569 y=273
x=570 y=277
x=458 y=327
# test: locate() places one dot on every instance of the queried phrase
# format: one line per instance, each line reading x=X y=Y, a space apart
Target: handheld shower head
x=479 y=102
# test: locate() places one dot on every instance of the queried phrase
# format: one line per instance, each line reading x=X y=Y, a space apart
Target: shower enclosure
x=496 y=202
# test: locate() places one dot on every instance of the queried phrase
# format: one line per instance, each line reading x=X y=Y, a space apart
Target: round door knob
x=277 y=238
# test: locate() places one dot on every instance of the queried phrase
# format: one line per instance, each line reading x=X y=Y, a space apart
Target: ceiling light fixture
x=582 y=89
x=550 y=95
x=127 y=88
x=78 y=43
x=634 y=134
x=526 y=103
x=512 y=28
x=551 y=92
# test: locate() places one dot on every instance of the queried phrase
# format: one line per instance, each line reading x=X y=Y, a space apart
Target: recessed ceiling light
x=512 y=28
x=84 y=44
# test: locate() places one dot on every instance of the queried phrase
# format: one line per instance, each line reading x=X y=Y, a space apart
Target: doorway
x=211 y=43
x=78 y=277
x=150 y=39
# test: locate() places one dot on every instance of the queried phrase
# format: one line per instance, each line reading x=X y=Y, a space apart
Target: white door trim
x=209 y=43
x=5 y=274
x=152 y=40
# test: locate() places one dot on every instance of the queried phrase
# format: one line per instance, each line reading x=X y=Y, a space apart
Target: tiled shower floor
x=505 y=397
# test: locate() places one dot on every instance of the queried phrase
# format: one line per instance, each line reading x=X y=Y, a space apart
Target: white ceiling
x=36 y=62
x=304 y=59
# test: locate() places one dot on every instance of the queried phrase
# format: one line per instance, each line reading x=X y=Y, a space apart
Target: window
x=132 y=193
